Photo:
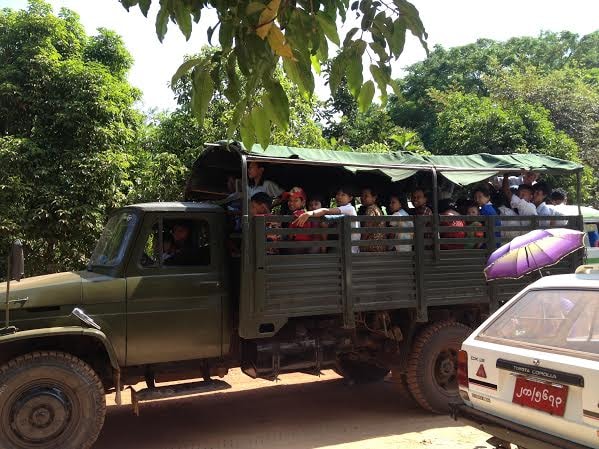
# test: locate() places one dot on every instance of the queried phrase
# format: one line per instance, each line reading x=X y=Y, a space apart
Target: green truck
x=246 y=295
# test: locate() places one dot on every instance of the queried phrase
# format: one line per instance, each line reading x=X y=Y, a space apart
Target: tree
x=569 y=95
x=469 y=124
x=468 y=68
x=370 y=131
x=66 y=136
x=260 y=37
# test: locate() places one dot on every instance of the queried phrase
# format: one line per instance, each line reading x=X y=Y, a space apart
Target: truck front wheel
x=50 y=400
x=432 y=365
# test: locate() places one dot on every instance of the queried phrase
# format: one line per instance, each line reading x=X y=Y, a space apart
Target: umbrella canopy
x=532 y=251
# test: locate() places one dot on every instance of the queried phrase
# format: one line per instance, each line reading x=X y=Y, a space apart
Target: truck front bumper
x=503 y=429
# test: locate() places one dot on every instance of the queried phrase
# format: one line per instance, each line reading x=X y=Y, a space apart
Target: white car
x=529 y=375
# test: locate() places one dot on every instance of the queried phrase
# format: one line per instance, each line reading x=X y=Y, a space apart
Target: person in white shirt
x=396 y=209
x=541 y=191
x=257 y=183
x=521 y=202
x=344 y=197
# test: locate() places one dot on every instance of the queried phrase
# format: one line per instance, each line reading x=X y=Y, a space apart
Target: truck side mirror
x=17 y=261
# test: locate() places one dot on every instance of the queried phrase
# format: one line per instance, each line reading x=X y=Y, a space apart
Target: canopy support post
x=436 y=247
x=579 y=199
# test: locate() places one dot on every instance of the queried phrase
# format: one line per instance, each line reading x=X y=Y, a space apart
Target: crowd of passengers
x=524 y=195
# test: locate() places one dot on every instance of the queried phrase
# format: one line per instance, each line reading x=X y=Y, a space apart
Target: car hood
x=47 y=290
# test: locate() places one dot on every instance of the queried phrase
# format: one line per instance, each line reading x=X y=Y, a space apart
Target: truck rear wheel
x=360 y=368
x=400 y=382
x=432 y=365
x=50 y=400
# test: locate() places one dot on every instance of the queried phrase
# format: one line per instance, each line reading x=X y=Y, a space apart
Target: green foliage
x=67 y=127
x=259 y=37
x=180 y=133
x=569 y=96
x=468 y=68
x=108 y=49
x=469 y=124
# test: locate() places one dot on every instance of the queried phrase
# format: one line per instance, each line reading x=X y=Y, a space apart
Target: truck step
x=174 y=391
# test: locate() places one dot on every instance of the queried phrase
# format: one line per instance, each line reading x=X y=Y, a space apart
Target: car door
x=175 y=300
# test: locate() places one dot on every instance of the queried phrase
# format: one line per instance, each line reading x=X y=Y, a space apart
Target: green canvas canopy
x=395 y=165
x=462 y=170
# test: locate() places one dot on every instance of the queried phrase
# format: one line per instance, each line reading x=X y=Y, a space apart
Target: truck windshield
x=113 y=242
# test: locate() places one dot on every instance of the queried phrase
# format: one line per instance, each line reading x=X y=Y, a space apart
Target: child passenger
x=344 y=198
x=369 y=207
x=419 y=200
x=472 y=211
x=396 y=204
x=296 y=202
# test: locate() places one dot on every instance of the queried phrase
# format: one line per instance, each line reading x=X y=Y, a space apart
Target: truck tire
x=400 y=383
x=432 y=365
x=359 y=368
x=50 y=400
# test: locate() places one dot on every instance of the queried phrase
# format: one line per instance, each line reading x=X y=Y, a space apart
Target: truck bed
x=335 y=281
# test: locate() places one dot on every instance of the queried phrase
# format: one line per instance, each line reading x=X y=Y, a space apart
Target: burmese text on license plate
x=541 y=396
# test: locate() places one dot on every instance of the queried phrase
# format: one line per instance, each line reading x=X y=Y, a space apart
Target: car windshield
x=558 y=318
x=112 y=244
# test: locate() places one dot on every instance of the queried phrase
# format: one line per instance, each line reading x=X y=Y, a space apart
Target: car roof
x=578 y=280
x=177 y=206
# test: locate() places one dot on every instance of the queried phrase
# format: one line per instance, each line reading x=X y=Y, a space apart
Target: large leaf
x=246 y=130
x=410 y=15
x=276 y=105
x=144 y=6
x=366 y=96
x=300 y=75
x=276 y=40
x=184 y=68
x=183 y=18
x=235 y=120
x=398 y=38
x=203 y=89
x=162 y=21
x=328 y=26
x=261 y=124
x=225 y=35
x=337 y=71
x=233 y=86
x=354 y=74
x=382 y=79
x=267 y=18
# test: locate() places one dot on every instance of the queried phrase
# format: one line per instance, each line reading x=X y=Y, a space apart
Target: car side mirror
x=17 y=261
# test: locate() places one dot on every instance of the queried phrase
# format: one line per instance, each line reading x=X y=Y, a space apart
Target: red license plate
x=541 y=396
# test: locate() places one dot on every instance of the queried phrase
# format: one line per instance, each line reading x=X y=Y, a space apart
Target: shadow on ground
x=297 y=416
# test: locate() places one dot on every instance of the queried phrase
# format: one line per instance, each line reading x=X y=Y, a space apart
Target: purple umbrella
x=532 y=251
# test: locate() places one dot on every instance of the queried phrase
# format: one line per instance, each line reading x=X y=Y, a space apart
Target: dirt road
x=298 y=412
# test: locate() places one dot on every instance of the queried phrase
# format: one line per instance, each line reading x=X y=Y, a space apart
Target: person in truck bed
x=344 y=198
x=369 y=199
x=257 y=183
x=396 y=208
x=296 y=202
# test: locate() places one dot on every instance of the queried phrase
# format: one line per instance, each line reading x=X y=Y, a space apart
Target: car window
x=181 y=243
x=565 y=319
